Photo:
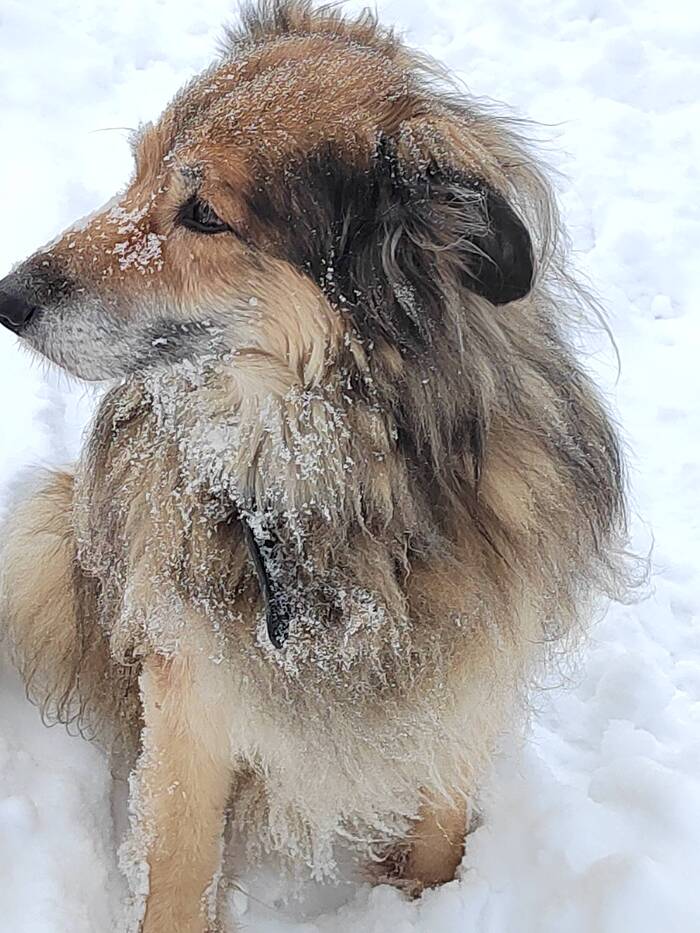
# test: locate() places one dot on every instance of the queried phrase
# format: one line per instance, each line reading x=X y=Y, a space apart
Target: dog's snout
x=16 y=311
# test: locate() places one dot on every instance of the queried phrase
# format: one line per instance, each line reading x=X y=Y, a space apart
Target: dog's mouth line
x=175 y=341
x=161 y=341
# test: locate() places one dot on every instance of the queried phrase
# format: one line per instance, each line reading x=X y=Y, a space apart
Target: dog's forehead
x=290 y=95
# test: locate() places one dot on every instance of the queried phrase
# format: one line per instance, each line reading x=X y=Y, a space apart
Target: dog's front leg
x=180 y=788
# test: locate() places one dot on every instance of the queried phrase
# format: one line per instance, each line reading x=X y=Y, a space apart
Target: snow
x=593 y=826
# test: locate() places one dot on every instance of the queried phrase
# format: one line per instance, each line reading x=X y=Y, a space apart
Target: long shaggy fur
x=438 y=490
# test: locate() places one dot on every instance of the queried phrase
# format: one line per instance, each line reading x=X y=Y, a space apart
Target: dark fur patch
x=262 y=555
x=373 y=235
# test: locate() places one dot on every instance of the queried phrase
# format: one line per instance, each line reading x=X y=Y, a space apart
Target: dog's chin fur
x=442 y=511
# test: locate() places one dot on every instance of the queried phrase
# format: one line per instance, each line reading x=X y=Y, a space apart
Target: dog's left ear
x=395 y=239
x=460 y=218
x=419 y=233
x=489 y=241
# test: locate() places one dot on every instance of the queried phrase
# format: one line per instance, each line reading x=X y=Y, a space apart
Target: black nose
x=15 y=311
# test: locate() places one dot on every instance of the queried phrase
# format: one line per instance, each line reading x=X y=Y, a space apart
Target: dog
x=348 y=483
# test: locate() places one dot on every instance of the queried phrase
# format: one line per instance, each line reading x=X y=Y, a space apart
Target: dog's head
x=319 y=227
x=310 y=186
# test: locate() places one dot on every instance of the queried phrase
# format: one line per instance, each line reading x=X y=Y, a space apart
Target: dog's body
x=351 y=480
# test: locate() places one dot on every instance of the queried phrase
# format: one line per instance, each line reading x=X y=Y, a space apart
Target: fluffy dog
x=348 y=480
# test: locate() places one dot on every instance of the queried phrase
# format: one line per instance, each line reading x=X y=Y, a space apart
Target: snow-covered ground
x=594 y=825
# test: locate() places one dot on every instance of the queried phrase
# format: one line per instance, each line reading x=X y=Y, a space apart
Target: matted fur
x=439 y=480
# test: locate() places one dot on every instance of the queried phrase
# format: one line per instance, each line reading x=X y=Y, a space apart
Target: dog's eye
x=200 y=216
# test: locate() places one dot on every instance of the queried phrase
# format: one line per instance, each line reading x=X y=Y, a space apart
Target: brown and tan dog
x=348 y=482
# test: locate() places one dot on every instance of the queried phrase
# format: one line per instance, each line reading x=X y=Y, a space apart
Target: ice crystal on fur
x=141 y=252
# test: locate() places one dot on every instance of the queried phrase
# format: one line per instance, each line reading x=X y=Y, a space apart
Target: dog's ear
x=432 y=230
x=482 y=233
x=393 y=239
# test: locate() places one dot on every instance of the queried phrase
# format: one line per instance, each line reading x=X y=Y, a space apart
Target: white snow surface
x=593 y=825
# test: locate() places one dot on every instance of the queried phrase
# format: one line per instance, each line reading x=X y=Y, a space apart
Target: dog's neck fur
x=351 y=482
x=314 y=476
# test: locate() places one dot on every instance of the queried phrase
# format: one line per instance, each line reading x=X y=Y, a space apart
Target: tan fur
x=44 y=598
x=437 y=842
x=431 y=852
x=180 y=789
x=441 y=511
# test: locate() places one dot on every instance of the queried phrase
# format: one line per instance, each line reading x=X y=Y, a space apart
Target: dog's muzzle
x=16 y=311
